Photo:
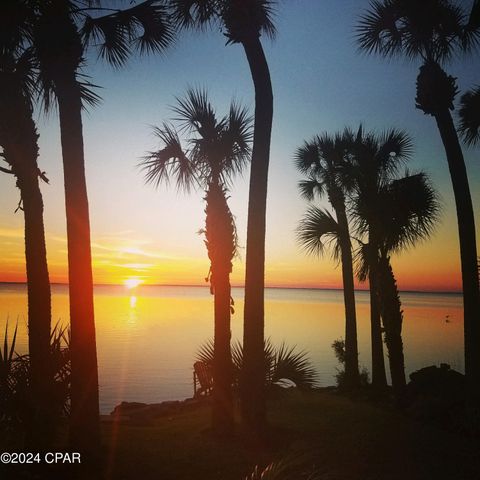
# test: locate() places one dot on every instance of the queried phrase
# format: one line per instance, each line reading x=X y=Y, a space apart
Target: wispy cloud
x=136 y=266
x=11 y=232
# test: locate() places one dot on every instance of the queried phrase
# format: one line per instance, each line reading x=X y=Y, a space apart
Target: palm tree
x=322 y=160
x=58 y=32
x=371 y=161
x=218 y=150
x=469 y=114
x=432 y=31
x=18 y=138
x=243 y=22
x=395 y=213
x=409 y=210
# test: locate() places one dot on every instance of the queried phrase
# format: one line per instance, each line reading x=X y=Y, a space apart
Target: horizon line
x=241 y=286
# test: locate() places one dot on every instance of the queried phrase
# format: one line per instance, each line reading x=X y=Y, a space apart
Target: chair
x=202 y=379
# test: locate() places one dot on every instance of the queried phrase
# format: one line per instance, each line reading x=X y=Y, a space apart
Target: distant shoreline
x=436 y=292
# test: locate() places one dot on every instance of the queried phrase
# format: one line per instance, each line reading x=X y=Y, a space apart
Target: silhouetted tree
x=18 y=138
x=400 y=211
x=372 y=160
x=243 y=22
x=59 y=32
x=218 y=150
x=469 y=114
x=433 y=30
x=322 y=160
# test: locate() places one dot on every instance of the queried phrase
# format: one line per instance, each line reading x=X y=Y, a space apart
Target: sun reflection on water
x=133 y=301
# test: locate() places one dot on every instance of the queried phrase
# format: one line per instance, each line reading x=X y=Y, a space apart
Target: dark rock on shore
x=143 y=413
x=437 y=394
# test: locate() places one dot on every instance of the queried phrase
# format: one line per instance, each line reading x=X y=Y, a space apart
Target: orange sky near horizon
x=120 y=258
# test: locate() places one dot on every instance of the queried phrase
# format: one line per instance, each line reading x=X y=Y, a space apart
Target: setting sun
x=132 y=282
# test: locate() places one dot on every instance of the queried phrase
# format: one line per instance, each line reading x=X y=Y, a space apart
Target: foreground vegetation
x=342 y=438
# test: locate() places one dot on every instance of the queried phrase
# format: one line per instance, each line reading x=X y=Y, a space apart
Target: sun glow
x=132 y=282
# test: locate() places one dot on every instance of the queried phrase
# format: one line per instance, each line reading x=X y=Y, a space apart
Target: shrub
x=284 y=365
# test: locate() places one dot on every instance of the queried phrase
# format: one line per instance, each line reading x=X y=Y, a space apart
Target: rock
x=125 y=408
x=437 y=382
x=142 y=414
x=436 y=394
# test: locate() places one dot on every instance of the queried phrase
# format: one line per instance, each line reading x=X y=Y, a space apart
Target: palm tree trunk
x=84 y=427
x=222 y=408
x=221 y=245
x=21 y=152
x=253 y=375
x=379 y=377
x=39 y=432
x=352 y=378
x=392 y=316
x=39 y=311
x=468 y=250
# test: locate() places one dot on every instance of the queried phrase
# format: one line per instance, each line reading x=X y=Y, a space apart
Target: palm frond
x=361 y=257
x=394 y=150
x=311 y=188
x=169 y=162
x=293 y=366
x=469 y=114
x=429 y=30
x=471 y=32
x=15 y=26
x=145 y=27
x=307 y=157
x=235 y=141
x=283 y=365
x=87 y=95
x=195 y=113
x=378 y=32
x=316 y=230
x=410 y=210
x=194 y=13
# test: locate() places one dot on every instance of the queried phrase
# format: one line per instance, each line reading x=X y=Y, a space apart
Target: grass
x=345 y=439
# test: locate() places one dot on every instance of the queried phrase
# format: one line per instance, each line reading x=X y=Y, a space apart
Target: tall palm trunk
x=468 y=250
x=379 y=378
x=253 y=375
x=39 y=310
x=392 y=316
x=351 y=347
x=19 y=138
x=435 y=95
x=84 y=428
x=221 y=244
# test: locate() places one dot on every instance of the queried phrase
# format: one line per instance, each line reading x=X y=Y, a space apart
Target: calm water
x=147 y=337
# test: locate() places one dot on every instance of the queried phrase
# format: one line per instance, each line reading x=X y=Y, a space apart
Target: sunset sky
x=321 y=83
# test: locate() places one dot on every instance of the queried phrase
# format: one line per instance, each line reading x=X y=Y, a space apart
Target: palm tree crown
x=430 y=29
x=240 y=18
x=216 y=150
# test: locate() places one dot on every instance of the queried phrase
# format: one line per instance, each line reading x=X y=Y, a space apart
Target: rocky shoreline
x=142 y=414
